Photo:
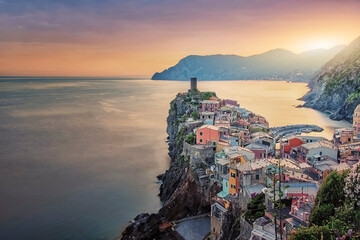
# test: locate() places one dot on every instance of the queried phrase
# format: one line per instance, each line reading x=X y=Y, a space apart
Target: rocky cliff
x=181 y=192
x=274 y=64
x=335 y=88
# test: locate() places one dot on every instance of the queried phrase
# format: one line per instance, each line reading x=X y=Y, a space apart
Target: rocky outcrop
x=235 y=226
x=273 y=65
x=181 y=192
x=189 y=199
x=335 y=89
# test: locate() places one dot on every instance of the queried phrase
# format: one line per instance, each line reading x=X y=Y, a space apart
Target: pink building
x=259 y=119
x=230 y=102
x=207 y=134
x=259 y=153
x=210 y=106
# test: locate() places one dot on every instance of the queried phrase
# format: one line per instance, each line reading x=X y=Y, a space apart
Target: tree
x=352 y=191
x=331 y=195
x=277 y=195
x=184 y=118
x=320 y=214
x=190 y=138
x=255 y=208
x=195 y=115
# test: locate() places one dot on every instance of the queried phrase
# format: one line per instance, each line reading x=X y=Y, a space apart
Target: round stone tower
x=356 y=120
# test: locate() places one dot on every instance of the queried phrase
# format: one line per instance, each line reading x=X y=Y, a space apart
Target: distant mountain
x=336 y=86
x=274 y=64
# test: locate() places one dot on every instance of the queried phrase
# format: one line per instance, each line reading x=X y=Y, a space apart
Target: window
x=320 y=153
x=200 y=133
x=233 y=186
x=232 y=174
x=257 y=177
x=201 y=140
x=227 y=185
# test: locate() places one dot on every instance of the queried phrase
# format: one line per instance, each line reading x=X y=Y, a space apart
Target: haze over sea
x=79 y=157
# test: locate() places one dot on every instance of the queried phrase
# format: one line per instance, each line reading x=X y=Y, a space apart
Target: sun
x=325 y=44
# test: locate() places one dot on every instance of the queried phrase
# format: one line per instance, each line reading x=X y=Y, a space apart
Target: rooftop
x=253 y=165
x=209 y=126
x=210 y=101
x=222 y=161
x=286 y=163
x=319 y=144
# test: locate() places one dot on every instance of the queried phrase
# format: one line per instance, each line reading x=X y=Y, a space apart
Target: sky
x=136 y=38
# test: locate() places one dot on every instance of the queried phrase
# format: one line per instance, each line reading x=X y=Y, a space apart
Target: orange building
x=233 y=178
x=288 y=143
x=207 y=134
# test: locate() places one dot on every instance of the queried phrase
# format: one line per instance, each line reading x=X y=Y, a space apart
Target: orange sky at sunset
x=139 y=38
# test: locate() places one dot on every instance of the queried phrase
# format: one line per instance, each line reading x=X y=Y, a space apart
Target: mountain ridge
x=275 y=64
x=335 y=88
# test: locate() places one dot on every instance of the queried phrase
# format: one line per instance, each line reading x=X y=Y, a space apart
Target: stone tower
x=193 y=85
x=356 y=121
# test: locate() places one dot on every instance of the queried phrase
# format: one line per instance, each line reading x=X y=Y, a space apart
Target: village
x=237 y=149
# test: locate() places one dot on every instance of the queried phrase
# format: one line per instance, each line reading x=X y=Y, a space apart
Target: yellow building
x=233 y=177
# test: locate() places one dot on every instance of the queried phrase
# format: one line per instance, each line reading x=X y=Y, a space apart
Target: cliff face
x=335 y=88
x=274 y=64
x=180 y=192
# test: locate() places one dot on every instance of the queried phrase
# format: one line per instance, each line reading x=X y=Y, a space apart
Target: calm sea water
x=79 y=158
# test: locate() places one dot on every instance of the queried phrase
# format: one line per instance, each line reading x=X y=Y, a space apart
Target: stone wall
x=199 y=153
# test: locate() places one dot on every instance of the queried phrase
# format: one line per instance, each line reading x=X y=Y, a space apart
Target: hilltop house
x=207 y=134
x=210 y=106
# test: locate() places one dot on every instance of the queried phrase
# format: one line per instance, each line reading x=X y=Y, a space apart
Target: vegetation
x=172 y=107
x=330 y=195
x=355 y=95
x=195 y=115
x=188 y=99
x=255 y=208
x=335 y=208
x=184 y=118
x=180 y=136
x=207 y=95
x=190 y=138
x=277 y=195
x=183 y=160
x=322 y=232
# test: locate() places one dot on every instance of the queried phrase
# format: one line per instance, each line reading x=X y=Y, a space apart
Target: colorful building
x=233 y=179
x=207 y=134
x=286 y=145
x=318 y=149
x=343 y=136
x=230 y=102
x=210 y=106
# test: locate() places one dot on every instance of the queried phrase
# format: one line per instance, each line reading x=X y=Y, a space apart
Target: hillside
x=336 y=86
x=274 y=64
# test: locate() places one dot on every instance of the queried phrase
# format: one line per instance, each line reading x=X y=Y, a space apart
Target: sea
x=79 y=156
